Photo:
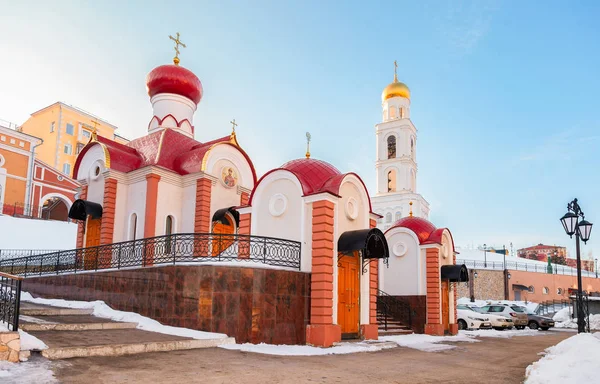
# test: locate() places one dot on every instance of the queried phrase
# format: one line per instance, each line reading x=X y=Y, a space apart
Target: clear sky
x=504 y=93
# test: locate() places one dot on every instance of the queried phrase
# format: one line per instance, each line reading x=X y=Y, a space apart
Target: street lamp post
x=484 y=255
x=581 y=229
x=596 y=268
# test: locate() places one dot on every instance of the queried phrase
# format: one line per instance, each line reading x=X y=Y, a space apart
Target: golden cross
x=308 y=144
x=177 y=44
x=395 y=68
x=95 y=131
x=233 y=125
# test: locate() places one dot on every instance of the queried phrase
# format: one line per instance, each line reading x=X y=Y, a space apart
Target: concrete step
x=395 y=332
x=393 y=327
x=116 y=342
x=70 y=323
x=29 y=309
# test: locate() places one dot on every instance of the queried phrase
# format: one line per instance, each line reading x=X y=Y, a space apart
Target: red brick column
x=244 y=229
x=150 y=215
x=107 y=225
x=371 y=330
x=434 y=322
x=81 y=223
x=244 y=199
x=321 y=331
x=454 y=326
x=202 y=217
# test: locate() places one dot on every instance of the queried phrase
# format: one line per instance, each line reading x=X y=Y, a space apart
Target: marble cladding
x=418 y=308
x=251 y=304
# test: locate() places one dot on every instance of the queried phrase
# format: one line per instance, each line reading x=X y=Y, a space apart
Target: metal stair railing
x=393 y=309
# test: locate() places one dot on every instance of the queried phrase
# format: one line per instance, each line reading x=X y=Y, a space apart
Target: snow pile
x=49 y=234
x=428 y=343
x=307 y=350
x=574 y=360
x=144 y=323
x=504 y=334
x=563 y=319
x=36 y=370
x=28 y=342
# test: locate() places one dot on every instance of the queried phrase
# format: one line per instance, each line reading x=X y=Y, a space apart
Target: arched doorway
x=54 y=208
x=223 y=230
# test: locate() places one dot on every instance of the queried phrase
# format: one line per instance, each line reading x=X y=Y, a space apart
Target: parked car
x=510 y=311
x=468 y=318
x=536 y=321
x=497 y=322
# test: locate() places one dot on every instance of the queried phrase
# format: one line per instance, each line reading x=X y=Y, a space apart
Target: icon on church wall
x=229 y=177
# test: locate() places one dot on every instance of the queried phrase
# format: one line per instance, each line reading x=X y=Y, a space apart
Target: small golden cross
x=308 y=144
x=177 y=44
x=395 y=73
x=233 y=124
x=95 y=131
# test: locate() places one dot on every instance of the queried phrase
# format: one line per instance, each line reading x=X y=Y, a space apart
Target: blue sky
x=504 y=93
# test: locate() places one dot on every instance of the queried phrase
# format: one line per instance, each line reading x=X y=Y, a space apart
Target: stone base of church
x=454 y=329
x=369 y=331
x=434 y=329
x=323 y=335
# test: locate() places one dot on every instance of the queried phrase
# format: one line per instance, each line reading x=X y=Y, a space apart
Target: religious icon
x=229 y=177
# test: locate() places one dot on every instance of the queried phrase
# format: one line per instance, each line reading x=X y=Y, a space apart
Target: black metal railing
x=550 y=307
x=11 y=253
x=170 y=249
x=10 y=299
x=391 y=308
x=523 y=266
x=30 y=211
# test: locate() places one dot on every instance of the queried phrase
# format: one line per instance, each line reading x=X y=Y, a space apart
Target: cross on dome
x=308 y=137
x=177 y=44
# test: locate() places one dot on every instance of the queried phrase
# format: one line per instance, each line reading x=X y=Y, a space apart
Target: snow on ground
x=505 y=334
x=50 y=234
x=428 y=343
x=36 y=370
x=144 y=323
x=563 y=319
x=531 y=306
x=307 y=350
x=573 y=360
x=28 y=342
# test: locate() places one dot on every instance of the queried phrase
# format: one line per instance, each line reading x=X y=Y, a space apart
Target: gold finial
x=95 y=131
x=410 y=213
x=177 y=44
x=308 y=145
x=395 y=74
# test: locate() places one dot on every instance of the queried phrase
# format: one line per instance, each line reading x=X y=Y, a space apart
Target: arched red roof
x=313 y=174
x=421 y=227
x=174 y=79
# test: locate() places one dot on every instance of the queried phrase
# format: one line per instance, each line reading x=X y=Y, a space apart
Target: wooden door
x=221 y=243
x=92 y=239
x=445 y=305
x=348 y=294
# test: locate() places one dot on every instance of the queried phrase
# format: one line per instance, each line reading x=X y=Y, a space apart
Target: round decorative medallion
x=60 y=178
x=351 y=208
x=229 y=177
x=399 y=249
x=277 y=204
x=2 y=161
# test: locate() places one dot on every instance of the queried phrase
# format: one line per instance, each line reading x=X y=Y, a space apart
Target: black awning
x=521 y=287
x=220 y=215
x=455 y=273
x=82 y=208
x=371 y=241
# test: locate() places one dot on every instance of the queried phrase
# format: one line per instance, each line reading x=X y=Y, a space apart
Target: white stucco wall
x=136 y=198
x=92 y=155
x=180 y=107
x=222 y=154
x=188 y=209
x=405 y=274
x=121 y=219
x=168 y=203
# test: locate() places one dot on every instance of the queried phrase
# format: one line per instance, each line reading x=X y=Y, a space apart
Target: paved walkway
x=489 y=361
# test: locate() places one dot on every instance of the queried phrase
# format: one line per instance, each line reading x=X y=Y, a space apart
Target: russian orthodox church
x=396 y=165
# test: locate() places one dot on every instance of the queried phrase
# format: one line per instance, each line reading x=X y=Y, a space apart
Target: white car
x=497 y=322
x=471 y=319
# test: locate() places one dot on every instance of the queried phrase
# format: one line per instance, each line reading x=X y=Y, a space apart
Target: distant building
x=65 y=130
x=558 y=255
x=28 y=186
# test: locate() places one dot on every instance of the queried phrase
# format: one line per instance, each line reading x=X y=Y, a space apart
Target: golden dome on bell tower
x=396 y=88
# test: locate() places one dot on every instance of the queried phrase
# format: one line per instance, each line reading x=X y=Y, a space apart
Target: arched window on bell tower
x=412 y=147
x=402 y=112
x=391 y=181
x=391 y=144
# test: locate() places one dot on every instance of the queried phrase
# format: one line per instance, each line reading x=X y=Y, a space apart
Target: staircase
x=393 y=316
x=72 y=333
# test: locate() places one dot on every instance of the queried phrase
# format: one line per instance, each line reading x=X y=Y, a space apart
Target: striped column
x=434 y=321
x=107 y=225
x=202 y=217
x=150 y=216
x=321 y=331
x=81 y=223
x=370 y=331
x=244 y=229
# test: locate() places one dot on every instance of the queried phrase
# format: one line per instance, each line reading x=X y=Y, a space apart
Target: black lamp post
x=484 y=255
x=581 y=229
x=596 y=268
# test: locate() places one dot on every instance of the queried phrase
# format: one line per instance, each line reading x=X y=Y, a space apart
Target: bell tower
x=396 y=161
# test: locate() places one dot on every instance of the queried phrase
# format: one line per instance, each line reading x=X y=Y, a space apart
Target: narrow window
x=391 y=181
x=398 y=215
x=70 y=130
x=68 y=149
x=52 y=127
x=67 y=169
x=132 y=226
x=168 y=232
x=391 y=143
x=388 y=217
x=412 y=147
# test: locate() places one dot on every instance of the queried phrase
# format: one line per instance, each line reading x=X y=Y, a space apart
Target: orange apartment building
x=65 y=130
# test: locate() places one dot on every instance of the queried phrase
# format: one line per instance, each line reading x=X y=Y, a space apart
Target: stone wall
x=488 y=285
x=251 y=304
x=10 y=346
x=418 y=307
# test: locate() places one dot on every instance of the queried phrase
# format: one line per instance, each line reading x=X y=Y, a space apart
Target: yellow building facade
x=65 y=130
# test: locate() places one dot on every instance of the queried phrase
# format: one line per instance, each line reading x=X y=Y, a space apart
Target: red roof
x=174 y=79
x=166 y=148
x=426 y=232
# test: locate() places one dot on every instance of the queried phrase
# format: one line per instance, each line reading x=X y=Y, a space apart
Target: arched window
x=169 y=225
x=402 y=112
x=392 y=113
x=559 y=291
x=132 y=226
x=388 y=217
x=391 y=181
x=531 y=289
x=545 y=290
x=398 y=215
x=391 y=142
x=412 y=147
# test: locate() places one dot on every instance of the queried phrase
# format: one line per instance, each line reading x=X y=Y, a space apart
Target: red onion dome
x=174 y=79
